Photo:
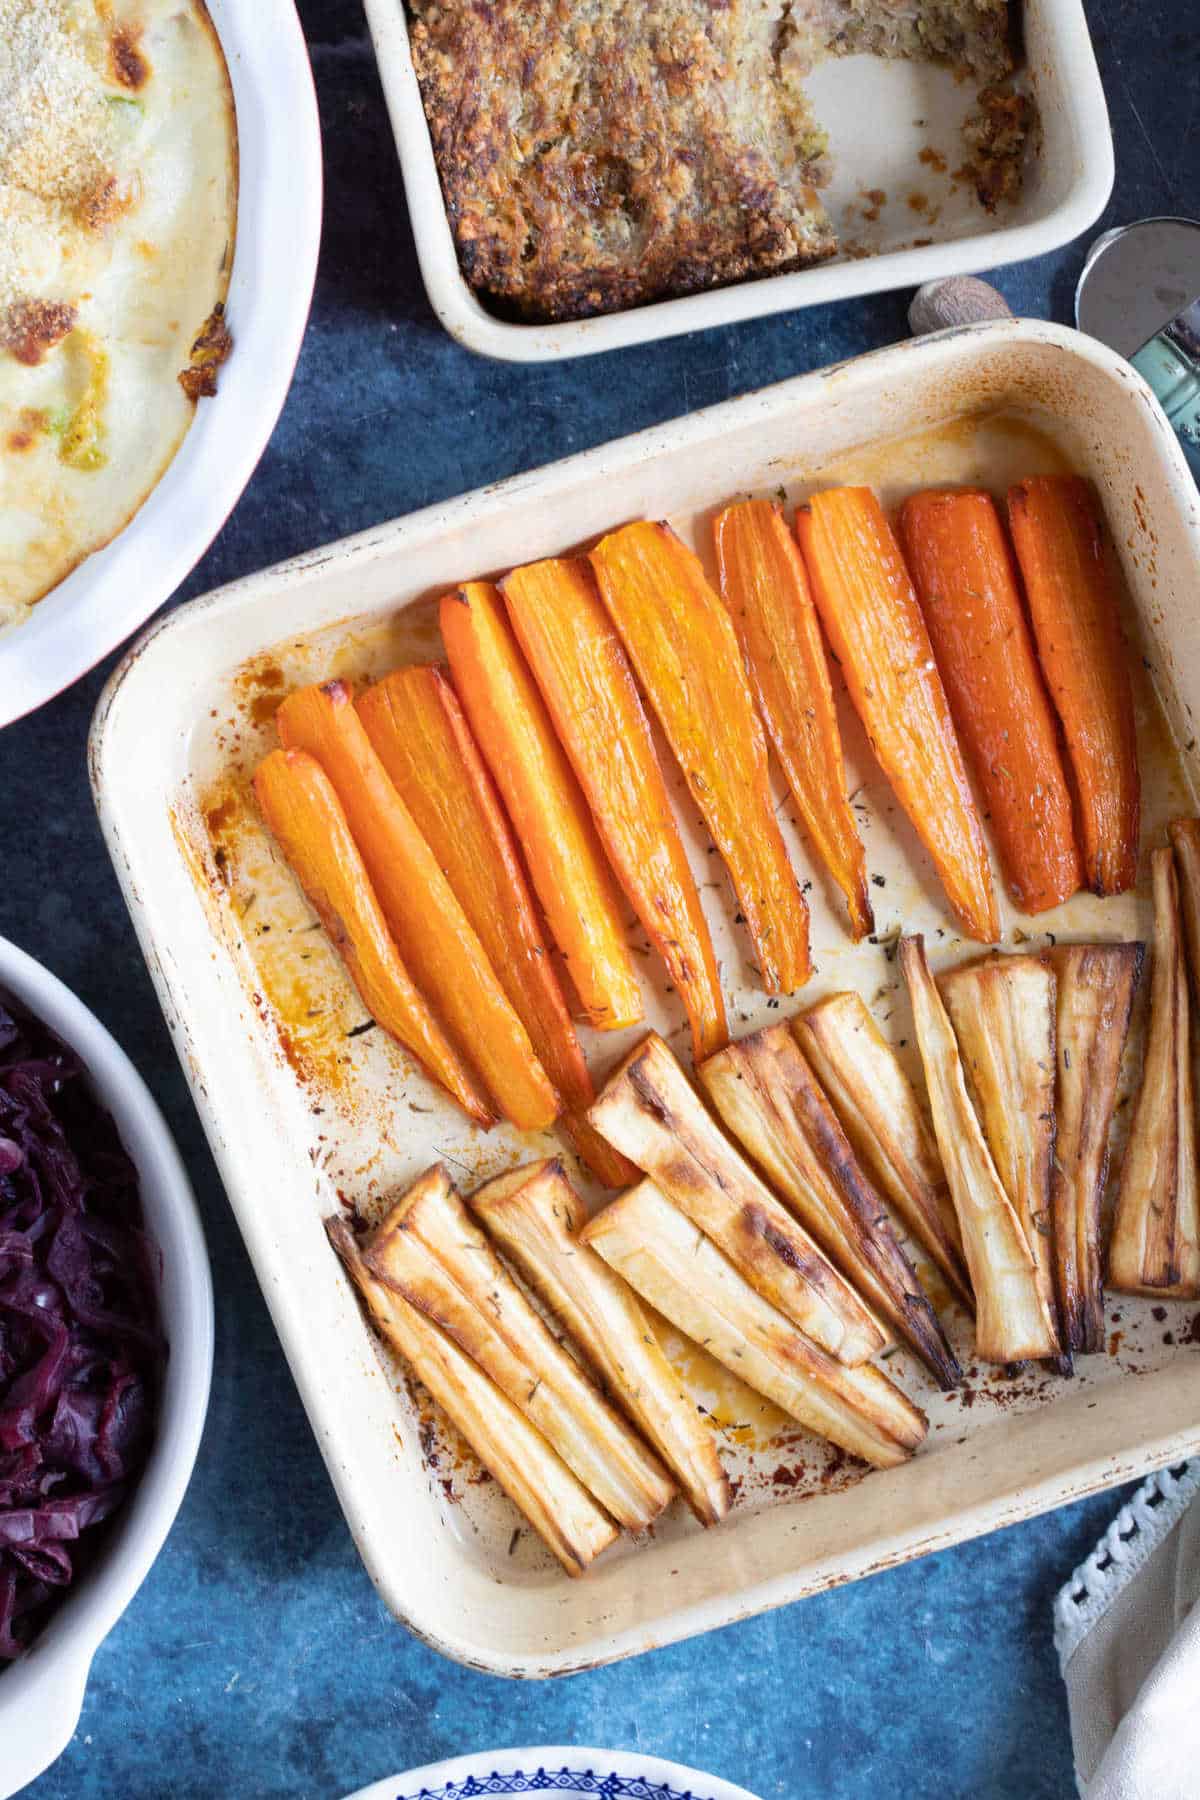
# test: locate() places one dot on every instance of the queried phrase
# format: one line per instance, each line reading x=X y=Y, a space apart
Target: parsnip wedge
x=650 y=1112
x=1096 y=985
x=1185 y=841
x=1012 y=1323
x=1003 y=1010
x=431 y=1252
x=1155 y=1243
x=770 y=1100
x=538 y=1482
x=886 y=1125
x=678 y=1270
x=536 y=1216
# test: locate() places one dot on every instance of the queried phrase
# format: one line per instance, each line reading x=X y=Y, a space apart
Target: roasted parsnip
x=539 y=1483
x=536 y=1216
x=1096 y=985
x=1155 y=1243
x=884 y=1121
x=1003 y=1010
x=1185 y=841
x=431 y=1251
x=1012 y=1322
x=770 y=1100
x=650 y=1111
x=678 y=1270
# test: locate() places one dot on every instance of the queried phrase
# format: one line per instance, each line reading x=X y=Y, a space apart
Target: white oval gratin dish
x=41 y=1695
x=116 y=589
x=294 y=1139
x=880 y=118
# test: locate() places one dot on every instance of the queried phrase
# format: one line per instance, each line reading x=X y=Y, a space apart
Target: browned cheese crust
x=597 y=154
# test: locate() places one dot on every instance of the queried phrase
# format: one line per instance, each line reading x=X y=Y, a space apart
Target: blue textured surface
x=257 y=1660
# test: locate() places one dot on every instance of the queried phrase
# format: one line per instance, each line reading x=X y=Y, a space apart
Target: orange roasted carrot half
x=421 y=736
x=868 y=606
x=765 y=586
x=586 y=681
x=549 y=813
x=966 y=581
x=305 y=817
x=685 y=651
x=1073 y=590
x=431 y=931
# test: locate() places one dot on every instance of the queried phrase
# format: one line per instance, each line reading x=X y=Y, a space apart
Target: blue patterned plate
x=567 y=1774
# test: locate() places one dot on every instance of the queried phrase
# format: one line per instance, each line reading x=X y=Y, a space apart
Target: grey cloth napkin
x=1127 y=1631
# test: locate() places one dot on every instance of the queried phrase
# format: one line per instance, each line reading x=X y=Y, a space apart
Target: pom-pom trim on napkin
x=1126 y=1546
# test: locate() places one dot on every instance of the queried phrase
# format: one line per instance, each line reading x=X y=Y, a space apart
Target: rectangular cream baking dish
x=304 y=1113
x=886 y=197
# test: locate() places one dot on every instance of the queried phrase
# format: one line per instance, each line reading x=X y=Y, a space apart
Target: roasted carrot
x=550 y=816
x=869 y=609
x=765 y=586
x=685 y=651
x=586 y=681
x=305 y=817
x=966 y=581
x=430 y=929
x=1073 y=589
x=421 y=736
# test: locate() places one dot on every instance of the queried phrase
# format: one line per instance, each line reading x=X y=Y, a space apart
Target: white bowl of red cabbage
x=106 y=1325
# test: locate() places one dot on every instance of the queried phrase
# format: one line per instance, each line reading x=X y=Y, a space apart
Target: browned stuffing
x=996 y=135
x=974 y=36
x=599 y=154
x=596 y=154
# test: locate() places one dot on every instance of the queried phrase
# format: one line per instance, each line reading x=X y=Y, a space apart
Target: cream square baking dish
x=304 y=1116
x=886 y=196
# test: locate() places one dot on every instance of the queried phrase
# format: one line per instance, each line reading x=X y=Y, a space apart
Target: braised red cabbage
x=81 y=1347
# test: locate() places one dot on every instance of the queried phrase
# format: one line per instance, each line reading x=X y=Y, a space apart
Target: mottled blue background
x=257 y=1661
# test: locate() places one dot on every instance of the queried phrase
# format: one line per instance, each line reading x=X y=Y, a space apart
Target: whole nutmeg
x=955 y=300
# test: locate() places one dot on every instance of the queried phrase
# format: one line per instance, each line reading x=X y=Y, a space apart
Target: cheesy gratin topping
x=118 y=198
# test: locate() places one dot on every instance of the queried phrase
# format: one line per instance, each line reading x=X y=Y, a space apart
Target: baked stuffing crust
x=595 y=154
x=600 y=154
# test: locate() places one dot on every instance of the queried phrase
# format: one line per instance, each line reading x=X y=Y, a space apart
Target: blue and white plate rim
x=554 y=1769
